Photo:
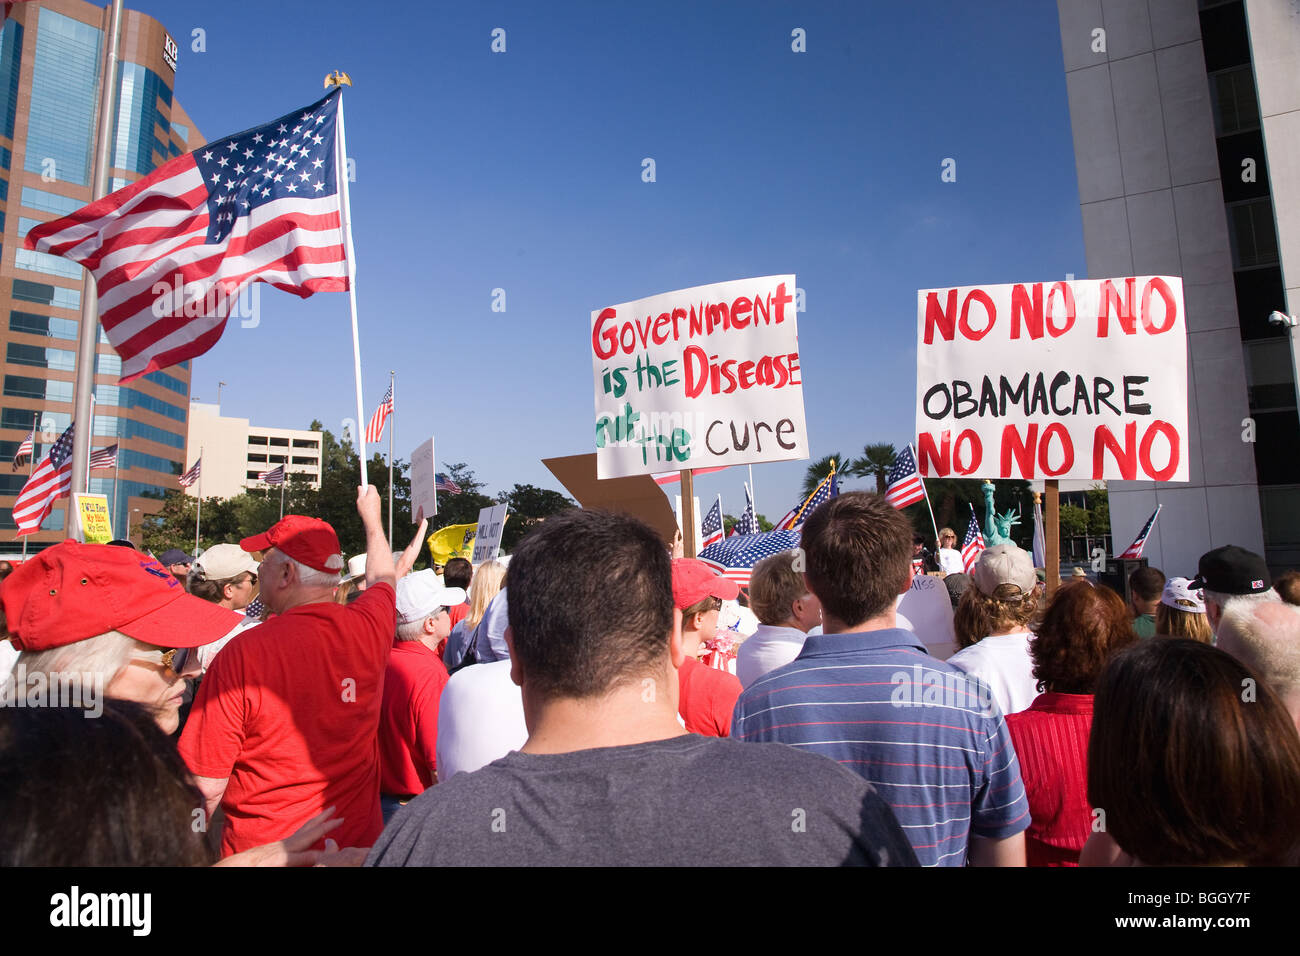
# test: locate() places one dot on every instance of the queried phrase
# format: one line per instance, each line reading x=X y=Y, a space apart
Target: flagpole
x=284 y=480
x=117 y=467
x=198 y=515
x=921 y=478
x=92 y=431
x=31 y=467
x=753 y=495
x=392 y=427
x=88 y=331
x=689 y=544
x=345 y=221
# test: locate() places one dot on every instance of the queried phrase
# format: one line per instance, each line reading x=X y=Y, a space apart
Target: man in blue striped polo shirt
x=866 y=694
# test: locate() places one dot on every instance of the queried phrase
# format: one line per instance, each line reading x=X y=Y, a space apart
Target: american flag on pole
x=735 y=557
x=273 y=477
x=192 y=475
x=104 y=457
x=375 y=430
x=903 y=482
x=1134 y=550
x=747 y=523
x=51 y=481
x=797 y=515
x=24 y=453
x=260 y=206
x=442 y=483
x=973 y=545
x=711 y=528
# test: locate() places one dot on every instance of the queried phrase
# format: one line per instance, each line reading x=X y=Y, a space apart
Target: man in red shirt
x=413 y=683
x=285 y=723
x=706 y=696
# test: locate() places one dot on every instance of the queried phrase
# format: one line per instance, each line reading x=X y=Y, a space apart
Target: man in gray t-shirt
x=608 y=776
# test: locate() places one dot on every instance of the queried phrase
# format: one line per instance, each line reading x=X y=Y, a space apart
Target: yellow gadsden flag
x=453 y=541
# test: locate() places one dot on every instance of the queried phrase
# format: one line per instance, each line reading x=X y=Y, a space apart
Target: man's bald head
x=1266 y=638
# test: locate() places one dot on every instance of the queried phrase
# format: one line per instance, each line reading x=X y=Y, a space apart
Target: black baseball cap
x=1231 y=570
x=174 y=556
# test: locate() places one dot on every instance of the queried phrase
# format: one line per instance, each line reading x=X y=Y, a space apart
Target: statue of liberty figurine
x=997 y=528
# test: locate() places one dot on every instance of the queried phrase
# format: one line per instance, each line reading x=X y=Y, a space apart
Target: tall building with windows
x=51 y=57
x=235 y=452
x=1186 y=122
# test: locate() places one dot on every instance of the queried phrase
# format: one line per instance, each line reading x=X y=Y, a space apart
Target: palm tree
x=819 y=470
x=876 y=460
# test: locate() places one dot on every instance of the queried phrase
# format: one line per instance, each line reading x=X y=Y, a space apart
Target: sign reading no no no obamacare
x=701 y=377
x=1079 y=379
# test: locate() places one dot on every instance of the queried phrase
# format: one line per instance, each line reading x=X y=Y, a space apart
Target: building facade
x=236 y=452
x=1185 y=137
x=50 y=64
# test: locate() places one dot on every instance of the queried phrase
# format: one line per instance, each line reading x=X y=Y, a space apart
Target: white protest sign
x=928 y=608
x=703 y=377
x=1079 y=379
x=423 y=494
x=487 y=537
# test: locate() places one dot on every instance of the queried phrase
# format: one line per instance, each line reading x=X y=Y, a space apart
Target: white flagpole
x=392 y=427
x=753 y=494
x=916 y=461
x=284 y=480
x=198 y=515
x=341 y=171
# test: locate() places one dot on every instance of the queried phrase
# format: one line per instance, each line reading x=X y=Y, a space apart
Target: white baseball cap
x=1004 y=564
x=420 y=594
x=222 y=561
x=1179 y=595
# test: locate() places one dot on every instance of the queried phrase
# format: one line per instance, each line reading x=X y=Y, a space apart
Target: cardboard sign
x=93 y=523
x=699 y=378
x=638 y=495
x=928 y=608
x=1079 y=379
x=487 y=536
x=423 y=494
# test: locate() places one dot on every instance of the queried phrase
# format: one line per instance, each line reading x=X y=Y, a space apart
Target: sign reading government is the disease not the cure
x=1079 y=379
x=702 y=377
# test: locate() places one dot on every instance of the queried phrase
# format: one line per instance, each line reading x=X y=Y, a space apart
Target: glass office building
x=50 y=63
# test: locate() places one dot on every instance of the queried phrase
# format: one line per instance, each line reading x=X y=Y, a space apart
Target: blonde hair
x=483 y=587
x=105 y=654
x=1173 y=622
x=774 y=587
x=978 y=615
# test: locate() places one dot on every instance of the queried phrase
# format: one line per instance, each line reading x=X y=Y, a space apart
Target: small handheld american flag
x=794 y=518
x=1134 y=550
x=747 y=523
x=51 y=481
x=904 y=481
x=972 y=545
x=711 y=528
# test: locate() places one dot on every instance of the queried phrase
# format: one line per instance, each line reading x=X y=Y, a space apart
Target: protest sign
x=487 y=536
x=1084 y=378
x=93 y=524
x=928 y=608
x=424 y=498
x=637 y=495
x=701 y=377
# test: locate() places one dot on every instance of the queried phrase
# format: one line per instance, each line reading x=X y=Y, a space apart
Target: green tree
x=528 y=505
x=1073 y=521
x=462 y=508
x=876 y=461
x=1098 y=511
x=728 y=522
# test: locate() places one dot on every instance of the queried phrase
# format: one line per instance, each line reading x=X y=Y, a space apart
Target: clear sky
x=522 y=171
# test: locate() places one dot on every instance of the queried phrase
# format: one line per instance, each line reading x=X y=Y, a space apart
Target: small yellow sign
x=92 y=513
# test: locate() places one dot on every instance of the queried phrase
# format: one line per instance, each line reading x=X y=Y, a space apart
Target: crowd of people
x=595 y=699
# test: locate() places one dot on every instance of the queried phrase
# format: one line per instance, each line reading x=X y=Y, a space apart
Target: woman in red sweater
x=1081 y=629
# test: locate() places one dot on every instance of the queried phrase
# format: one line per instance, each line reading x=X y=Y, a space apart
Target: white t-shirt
x=480 y=718
x=1004 y=664
x=8 y=657
x=209 y=651
x=768 y=648
x=950 y=561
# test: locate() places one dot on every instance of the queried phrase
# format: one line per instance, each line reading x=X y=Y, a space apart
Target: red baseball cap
x=73 y=591
x=693 y=581
x=309 y=540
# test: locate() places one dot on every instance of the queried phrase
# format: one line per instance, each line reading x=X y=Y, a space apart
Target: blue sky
x=522 y=171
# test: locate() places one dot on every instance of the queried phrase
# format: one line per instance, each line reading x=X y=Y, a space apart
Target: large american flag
x=972 y=545
x=903 y=482
x=104 y=457
x=1134 y=550
x=192 y=475
x=51 y=481
x=24 y=452
x=796 y=516
x=711 y=528
x=260 y=206
x=273 y=477
x=375 y=430
x=736 y=556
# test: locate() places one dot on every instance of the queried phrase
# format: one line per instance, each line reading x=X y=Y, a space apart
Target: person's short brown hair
x=1188 y=773
x=774 y=587
x=1147 y=583
x=1287 y=586
x=213 y=591
x=978 y=615
x=591 y=603
x=1082 y=628
x=702 y=606
x=858 y=549
x=1174 y=622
